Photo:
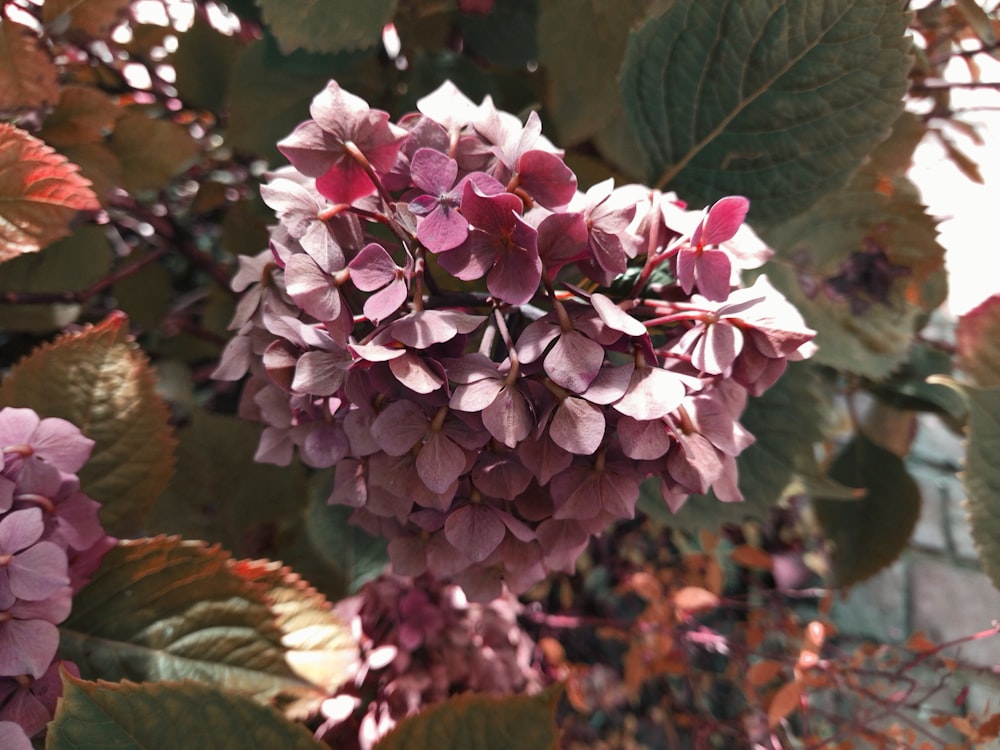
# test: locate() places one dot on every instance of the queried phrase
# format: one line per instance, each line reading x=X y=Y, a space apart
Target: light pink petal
x=416 y=374
x=313 y=291
x=643 y=440
x=615 y=317
x=712 y=271
x=577 y=426
x=27 y=646
x=652 y=393
x=475 y=396
x=535 y=338
x=576 y=494
x=443 y=229
x=320 y=373
x=399 y=427
x=38 y=572
x=508 y=417
x=715 y=352
x=546 y=178
x=574 y=361
x=20 y=529
x=372 y=268
x=385 y=302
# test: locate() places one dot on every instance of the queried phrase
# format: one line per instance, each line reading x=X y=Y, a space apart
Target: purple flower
x=500 y=243
x=30 y=569
x=333 y=146
x=29 y=636
x=25 y=437
x=701 y=263
x=31 y=703
x=374 y=270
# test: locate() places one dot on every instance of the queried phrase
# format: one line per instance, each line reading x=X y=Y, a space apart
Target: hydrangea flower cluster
x=423 y=641
x=492 y=360
x=50 y=541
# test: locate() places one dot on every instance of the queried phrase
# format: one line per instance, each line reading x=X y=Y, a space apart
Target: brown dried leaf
x=28 y=76
x=40 y=192
x=763 y=672
x=784 y=702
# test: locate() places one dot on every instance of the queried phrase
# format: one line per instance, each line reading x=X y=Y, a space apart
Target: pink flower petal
x=476 y=530
x=577 y=426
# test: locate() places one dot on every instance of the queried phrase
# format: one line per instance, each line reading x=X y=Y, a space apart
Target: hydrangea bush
x=492 y=360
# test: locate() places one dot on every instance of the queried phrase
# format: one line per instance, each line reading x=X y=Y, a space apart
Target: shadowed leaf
x=151 y=151
x=84 y=115
x=28 y=76
x=978 y=342
x=95 y=18
x=870 y=533
x=327 y=25
x=40 y=193
x=479 y=722
x=776 y=100
x=99 y=380
x=127 y=716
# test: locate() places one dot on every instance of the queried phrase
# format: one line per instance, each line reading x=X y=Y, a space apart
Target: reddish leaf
x=752 y=557
x=976 y=340
x=784 y=702
x=763 y=672
x=28 y=77
x=39 y=193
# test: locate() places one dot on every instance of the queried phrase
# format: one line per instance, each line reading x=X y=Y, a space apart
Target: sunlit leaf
x=775 y=100
x=978 y=342
x=40 y=193
x=163 y=609
x=28 y=76
x=694 y=599
x=981 y=476
x=164 y=716
x=102 y=382
x=151 y=151
x=327 y=25
x=95 y=18
x=479 y=722
x=870 y=533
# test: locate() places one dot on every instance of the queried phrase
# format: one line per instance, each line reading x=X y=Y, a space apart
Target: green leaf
x=99 y=380
x=580 y=46
x=327 y=25
x=163 y=609
x=335 y=555
x=504 y=36
x=145 y=295
x=164 y=716
x=778 y=100
x=977 y=340
x=40 y=193
x=909 y=387
x=204 y=63
x=870 y=533
x=270 y=94
x=67 y=265
x=219 y=493
x=151 y=151
x=479 y=722
x=981 y=475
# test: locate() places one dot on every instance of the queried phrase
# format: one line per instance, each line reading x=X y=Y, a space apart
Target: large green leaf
x=504 y=36
x=163 y=609
x=870 y=533
x=99 y=380
x=219 y=493
x=165 y=716
x=327 y=25
x=580 y=46
x=479 y=722
x=981 y=475
x=204 y=63
x=778 y=100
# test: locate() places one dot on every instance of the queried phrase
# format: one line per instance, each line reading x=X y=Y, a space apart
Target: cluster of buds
x=50 y=541
x=493 y=360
